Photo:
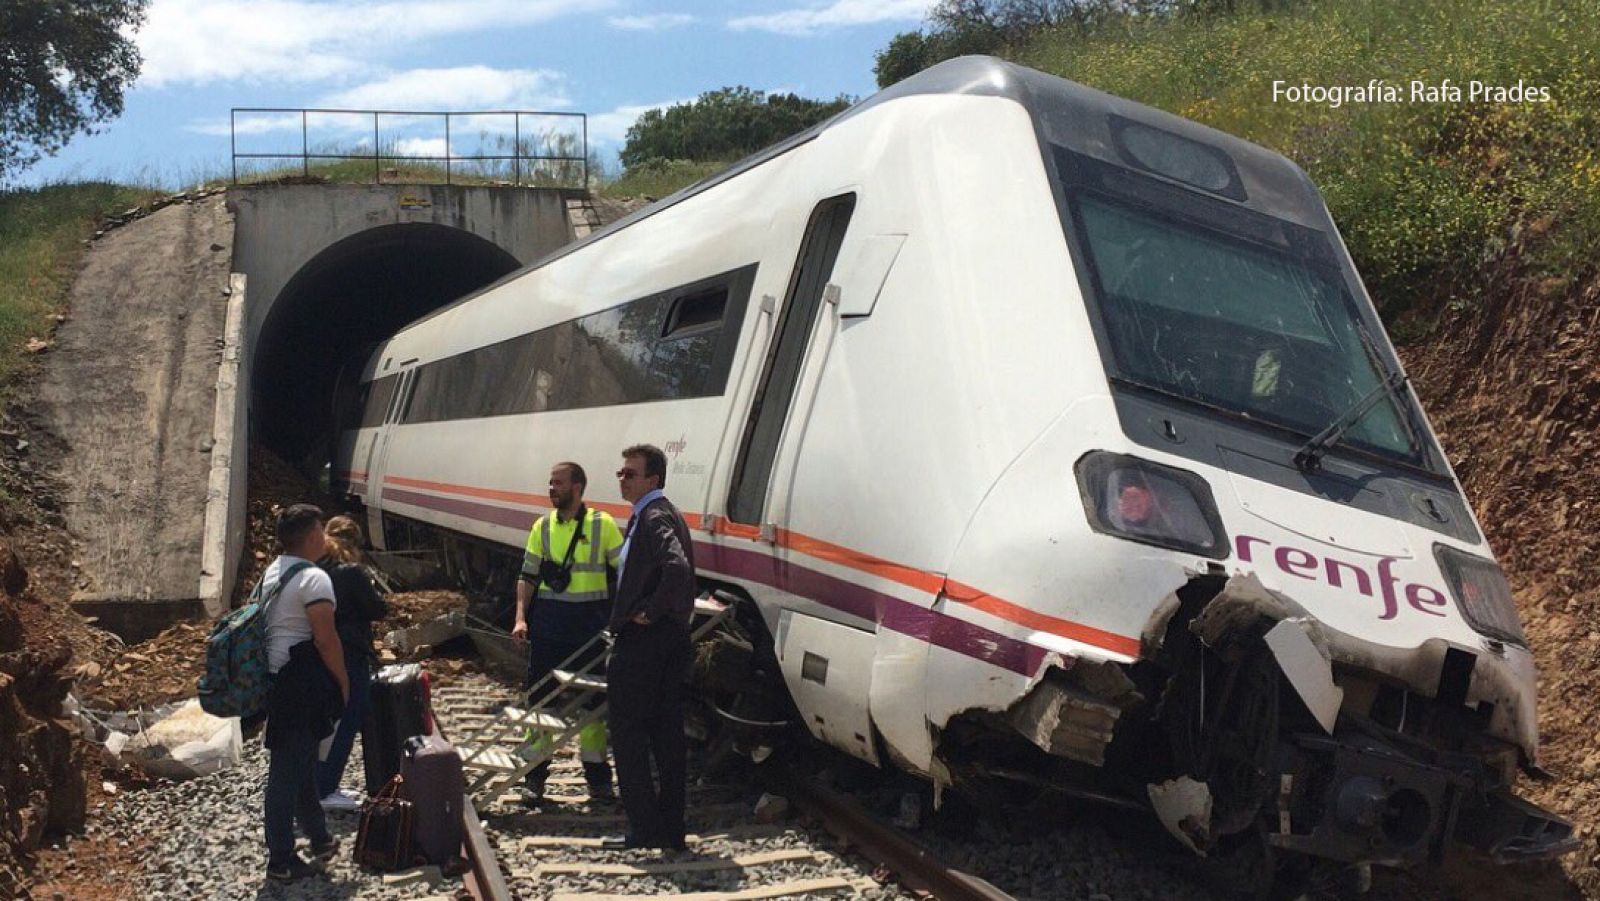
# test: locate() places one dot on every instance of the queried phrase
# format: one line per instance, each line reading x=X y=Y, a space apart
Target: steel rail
x=914 y=865
x=484 y=880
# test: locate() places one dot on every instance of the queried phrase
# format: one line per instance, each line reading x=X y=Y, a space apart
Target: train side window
x=769 y=410
x=403 y=396
x=695 y=313
x=676 y=344
x=379 y=393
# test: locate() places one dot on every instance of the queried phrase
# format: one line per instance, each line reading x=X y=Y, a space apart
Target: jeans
x=330 y=771
x=291 y=797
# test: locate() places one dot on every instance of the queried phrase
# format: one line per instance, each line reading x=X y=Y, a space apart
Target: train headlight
x=1150 y=503
x=1482 y=594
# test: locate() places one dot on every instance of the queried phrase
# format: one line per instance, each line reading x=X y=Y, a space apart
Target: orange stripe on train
x=921 y=580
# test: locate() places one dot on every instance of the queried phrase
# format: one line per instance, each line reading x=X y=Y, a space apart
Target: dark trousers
x=645 y=690
x=556 y=630
x=291 y=796
x=331 y=770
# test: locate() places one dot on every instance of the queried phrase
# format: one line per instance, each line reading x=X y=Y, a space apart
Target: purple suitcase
x=435 y=785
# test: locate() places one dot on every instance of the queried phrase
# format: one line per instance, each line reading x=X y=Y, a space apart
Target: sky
x=609 y=59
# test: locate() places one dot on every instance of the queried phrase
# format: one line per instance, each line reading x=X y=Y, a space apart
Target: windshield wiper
x=1309 y=457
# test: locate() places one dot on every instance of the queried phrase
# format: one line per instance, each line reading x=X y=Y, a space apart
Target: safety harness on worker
x=570 y=580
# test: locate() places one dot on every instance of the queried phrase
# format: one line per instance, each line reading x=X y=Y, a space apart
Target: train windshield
x=1253 y=330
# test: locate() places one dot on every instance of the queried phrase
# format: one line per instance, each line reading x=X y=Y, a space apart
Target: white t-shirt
x=287 y=624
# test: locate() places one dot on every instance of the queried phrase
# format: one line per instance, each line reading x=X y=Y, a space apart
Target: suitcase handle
x=390 y=790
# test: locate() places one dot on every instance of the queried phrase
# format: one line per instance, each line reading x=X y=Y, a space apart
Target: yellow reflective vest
x=598 y=547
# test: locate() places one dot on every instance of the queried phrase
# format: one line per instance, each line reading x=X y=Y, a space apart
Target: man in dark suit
x=650 y=655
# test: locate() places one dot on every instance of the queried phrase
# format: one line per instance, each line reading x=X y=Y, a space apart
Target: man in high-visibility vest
x=563 y=601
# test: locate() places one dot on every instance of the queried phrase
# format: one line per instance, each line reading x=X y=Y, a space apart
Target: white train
x=1053 y=437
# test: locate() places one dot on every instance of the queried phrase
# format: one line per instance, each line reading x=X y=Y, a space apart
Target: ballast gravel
x=206 y=841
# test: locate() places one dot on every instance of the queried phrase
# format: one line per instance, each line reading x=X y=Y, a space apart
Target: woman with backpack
x=359 y=606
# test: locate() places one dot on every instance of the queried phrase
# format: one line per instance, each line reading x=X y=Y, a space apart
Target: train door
x=751 y=488
x=825 y=653
x=378 y=451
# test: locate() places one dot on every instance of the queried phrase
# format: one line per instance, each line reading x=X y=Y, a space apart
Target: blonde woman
x=359 y=605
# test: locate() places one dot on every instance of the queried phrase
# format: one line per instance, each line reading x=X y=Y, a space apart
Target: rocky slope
x=1513 y=389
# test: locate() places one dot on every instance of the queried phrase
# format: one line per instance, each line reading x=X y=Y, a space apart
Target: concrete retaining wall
x=228 y=490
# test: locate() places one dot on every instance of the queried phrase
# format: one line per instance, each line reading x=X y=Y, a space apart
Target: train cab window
x=1241 y=327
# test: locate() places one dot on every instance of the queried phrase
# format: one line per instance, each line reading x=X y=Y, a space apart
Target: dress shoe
x=624 y=843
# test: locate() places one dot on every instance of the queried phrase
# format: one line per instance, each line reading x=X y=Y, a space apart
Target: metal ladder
x=500 y=751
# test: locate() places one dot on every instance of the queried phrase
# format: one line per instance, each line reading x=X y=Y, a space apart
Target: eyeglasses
x=627 y=474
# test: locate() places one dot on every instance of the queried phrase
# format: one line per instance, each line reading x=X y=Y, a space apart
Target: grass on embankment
x=659 y=178
x=1431 y=197
x=41 y=230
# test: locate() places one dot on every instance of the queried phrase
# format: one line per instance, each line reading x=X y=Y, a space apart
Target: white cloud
x=309 y=41
x=247 y=124
x=463 y=87
x=612 y=128
x=419 y=147
x=839 y=14
x=654 y=22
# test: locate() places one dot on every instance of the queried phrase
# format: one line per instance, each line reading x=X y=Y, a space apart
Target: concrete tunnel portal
x=222 y=318
x=336 y=309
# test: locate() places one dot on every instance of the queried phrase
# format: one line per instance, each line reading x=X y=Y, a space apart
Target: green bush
x=658 y=178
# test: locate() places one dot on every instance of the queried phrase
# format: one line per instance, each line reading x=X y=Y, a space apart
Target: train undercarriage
x=1224 y=738
x=1235 y=731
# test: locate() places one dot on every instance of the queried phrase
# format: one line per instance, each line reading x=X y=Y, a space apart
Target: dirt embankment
x=1514 y=391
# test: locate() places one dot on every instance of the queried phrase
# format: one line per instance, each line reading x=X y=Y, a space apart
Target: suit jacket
x=658 y=578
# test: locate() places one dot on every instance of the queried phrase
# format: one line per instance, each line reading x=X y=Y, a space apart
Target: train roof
x=1064 y=112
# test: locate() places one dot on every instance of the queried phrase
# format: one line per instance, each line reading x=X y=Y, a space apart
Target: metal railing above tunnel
x=513 y=147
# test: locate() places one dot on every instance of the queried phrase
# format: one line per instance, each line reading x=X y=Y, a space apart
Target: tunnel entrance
x=336 y=309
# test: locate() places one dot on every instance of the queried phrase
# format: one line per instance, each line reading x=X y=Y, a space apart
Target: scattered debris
x=160 y=203
x=1183 y=805
x=411 y=641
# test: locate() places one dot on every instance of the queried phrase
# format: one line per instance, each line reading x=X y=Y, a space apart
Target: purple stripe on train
x=871 y=607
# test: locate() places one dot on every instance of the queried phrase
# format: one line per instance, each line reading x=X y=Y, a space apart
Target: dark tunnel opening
x=337 y=309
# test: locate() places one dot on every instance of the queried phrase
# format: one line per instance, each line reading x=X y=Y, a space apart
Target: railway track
x=555 y=852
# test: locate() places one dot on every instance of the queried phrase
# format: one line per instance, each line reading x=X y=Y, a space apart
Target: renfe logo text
x=1302 y=564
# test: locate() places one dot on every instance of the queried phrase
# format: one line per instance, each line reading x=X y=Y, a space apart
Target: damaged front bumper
x=1355 y=799
x=1248 y=715
x=1381 y=756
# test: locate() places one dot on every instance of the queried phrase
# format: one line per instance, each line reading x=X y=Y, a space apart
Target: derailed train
x=1049 y=437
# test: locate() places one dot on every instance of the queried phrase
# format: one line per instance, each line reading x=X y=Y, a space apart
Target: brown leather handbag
x=387 y=819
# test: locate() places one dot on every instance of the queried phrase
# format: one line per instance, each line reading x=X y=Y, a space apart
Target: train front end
x=1275 y=620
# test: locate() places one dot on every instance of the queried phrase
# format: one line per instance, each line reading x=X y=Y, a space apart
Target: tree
x=63 y=69
x=723 y=125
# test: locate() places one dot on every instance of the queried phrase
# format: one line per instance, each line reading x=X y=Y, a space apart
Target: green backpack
x=237 y=679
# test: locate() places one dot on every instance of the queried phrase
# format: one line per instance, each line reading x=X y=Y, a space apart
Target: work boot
x=598 y=775
x=532 y=794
